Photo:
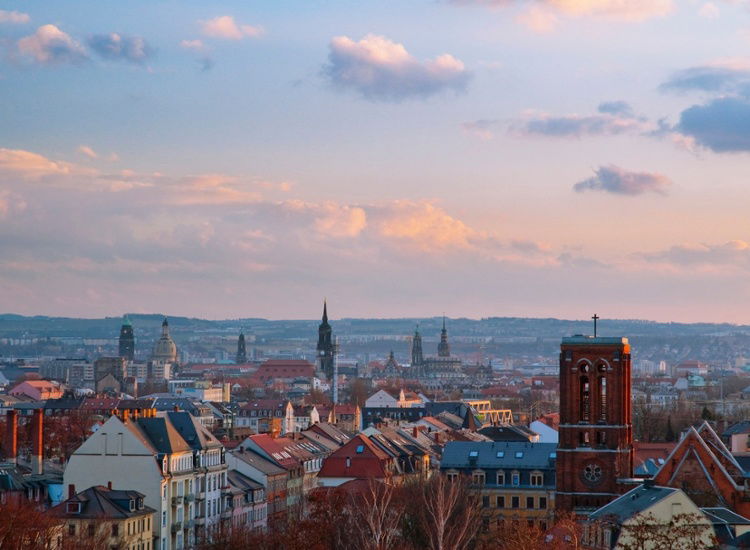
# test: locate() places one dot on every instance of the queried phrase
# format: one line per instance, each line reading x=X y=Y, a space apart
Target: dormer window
x=73 y=507
x=132 y=505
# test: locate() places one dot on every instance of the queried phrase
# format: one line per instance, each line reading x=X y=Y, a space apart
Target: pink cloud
x=226 y=27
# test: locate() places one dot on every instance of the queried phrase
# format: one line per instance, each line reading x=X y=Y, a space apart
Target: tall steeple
x=127 y=340
x=325 y=344
x=444 y=348
x=165 y=349
x=417 y=359
x=241 y=350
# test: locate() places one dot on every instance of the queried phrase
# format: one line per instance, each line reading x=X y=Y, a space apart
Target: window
x=519 y=454
x=537 y=479
x=515 y=479
x=485 y=501
x=72 y=529
x=92 y=529
x=584 y=437
x=543 y=503
x=452 y=476
x=514 y=502
x=500 y=454
x=360 y=449
x=473 y=454
x=530 y=502
x=601 y=438
x=477 y=478
x=585 y=395
x=500 y=502
x=115 y=530
x=602 y=397
x=501 y=478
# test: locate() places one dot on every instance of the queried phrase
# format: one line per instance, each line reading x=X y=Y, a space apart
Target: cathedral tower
x=417 y=359
x=444 y=348
x=127 y=340
x=325 y=344
x=241 y=350
x=595 y=449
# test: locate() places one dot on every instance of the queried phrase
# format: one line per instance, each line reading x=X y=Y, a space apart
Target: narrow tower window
x=602 y=399
x=585 y=399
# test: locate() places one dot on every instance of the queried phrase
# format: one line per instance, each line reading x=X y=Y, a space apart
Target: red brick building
x=595 y=449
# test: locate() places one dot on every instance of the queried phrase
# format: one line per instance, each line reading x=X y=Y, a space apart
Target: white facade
x=184 y=486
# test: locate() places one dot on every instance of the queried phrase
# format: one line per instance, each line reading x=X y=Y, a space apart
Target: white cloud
x=709 y=10
x=538 y=19
x=87 y=151
x=14 y=17
x=224 y=26
x=195 y=45
x=49 y=45
x=380 y=69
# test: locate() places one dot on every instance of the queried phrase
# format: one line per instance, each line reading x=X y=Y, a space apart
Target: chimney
x=415 y=431
x=125 y=415
x=11 y=436
x=176 y=408
x=71 y=490
x=109 y=485
x=37 y=434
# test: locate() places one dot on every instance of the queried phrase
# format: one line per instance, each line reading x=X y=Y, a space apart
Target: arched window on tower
x=603 y=398
x=585 y=399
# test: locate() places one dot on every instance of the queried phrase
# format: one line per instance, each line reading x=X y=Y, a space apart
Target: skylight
x=360 y=449
x=473 y=454
x=553 y=454
x=519 y=454
x=500 y=454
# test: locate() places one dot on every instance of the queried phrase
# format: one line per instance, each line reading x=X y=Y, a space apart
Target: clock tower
x=595 y=448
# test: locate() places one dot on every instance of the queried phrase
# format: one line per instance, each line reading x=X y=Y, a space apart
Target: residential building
x=248 y=505
x=38 y=390
x=271 y=477
x=360 y=458
x=113 y=518
x=170 y=458
x=648 y=512
x=516 y=480
x=257 y=415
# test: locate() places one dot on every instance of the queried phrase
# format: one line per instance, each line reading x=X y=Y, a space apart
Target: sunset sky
x=480 y=158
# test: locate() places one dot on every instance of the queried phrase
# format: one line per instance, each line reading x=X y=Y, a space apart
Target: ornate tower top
x=444 y=348
x=127 y=340
x=325 y=343
x=241 y=350
x=417 y=359
x=165 y=349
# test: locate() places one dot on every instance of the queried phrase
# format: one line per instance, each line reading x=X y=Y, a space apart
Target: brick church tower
x=595 y=448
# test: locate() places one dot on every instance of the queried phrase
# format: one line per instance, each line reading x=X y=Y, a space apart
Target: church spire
x=241 y=350
x=444 y=348
x=325 y=343
x=325 y=311
x=417 y=359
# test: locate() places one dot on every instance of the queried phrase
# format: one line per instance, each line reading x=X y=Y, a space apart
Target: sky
x=545 y=158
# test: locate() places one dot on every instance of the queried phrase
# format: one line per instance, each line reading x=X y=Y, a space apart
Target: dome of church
x=165 y=349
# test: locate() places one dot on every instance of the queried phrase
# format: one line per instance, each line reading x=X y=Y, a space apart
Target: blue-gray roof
x=491 y=454
x=725 y=516
x=633 y=502
x=742 y=427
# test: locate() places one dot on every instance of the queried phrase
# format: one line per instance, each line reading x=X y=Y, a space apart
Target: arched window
x=603 y=398
x=585 y=399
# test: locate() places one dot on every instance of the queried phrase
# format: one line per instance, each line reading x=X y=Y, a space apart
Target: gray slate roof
x=632 y=503
x=491 y=454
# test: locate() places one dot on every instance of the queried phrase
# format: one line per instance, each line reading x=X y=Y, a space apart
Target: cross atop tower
x=595 y=318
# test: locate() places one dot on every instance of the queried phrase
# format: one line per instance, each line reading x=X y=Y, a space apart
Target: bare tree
x=377 y=516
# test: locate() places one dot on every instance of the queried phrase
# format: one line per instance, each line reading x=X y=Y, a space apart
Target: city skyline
x=482 y=158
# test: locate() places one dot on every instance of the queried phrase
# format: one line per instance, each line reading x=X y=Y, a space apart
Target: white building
x=170 y=458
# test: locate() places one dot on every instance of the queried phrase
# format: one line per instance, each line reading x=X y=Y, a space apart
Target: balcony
x=226 y=514
x=189 y=498
x=200 y=495
x=176 y=501
x=190 y=524
x=176 y=526
x=200 y=520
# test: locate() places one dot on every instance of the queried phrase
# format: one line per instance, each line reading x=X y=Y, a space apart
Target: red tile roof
x=369 y=462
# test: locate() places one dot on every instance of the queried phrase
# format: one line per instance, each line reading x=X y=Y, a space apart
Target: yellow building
x=102 y=517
